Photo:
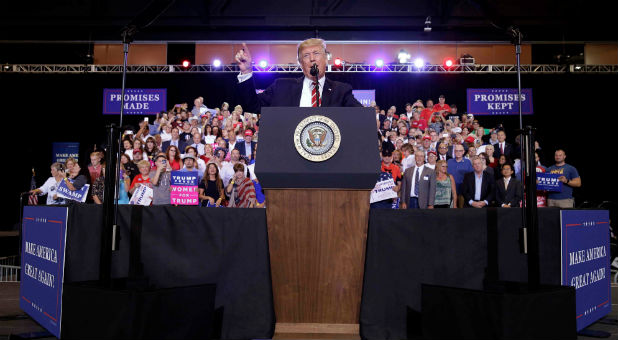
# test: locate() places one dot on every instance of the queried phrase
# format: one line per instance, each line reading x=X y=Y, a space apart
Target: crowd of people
x=437 y=158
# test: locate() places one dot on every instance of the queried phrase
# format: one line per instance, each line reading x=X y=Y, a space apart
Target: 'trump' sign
x=183 y=188
x=548 y=182
x=499 y=101
x=42 y=267
x=585 y=262
x=136 y=101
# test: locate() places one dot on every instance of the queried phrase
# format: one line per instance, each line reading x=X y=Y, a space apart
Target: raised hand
x=243 y=57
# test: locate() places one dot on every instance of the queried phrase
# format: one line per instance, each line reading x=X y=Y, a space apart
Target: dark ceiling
x=452 y=20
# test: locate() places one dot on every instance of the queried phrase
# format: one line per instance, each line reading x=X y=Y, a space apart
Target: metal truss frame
x=291 y=68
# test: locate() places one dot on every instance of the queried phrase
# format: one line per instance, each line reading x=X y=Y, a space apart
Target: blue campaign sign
x=62 y=151
x=184 y=178
x=585 y=262
x=78 y=195
x=548 y=182
x=42 y=265
x=136 y=101
x=365 y=97
x=499 y=101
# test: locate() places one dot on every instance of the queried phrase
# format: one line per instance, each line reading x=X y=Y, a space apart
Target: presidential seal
x=317 y=138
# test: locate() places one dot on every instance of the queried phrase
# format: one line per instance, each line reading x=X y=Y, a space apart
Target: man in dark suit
x=176 y=141
x=294 y=92
x=478 y=187
x=502 y=147
x=443 y=154
x=418 y=186
x=247 y=147
x=508 y=189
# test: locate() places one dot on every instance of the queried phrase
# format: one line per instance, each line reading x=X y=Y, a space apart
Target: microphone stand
x=316 y=72
x=530 y=228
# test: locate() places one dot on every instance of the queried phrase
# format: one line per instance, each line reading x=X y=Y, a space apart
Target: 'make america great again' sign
x=499 y=101
x=136 y=101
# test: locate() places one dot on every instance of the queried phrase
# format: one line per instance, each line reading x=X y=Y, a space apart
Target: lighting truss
x=295 y=68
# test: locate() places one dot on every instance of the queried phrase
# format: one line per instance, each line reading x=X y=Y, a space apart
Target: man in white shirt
x=227 y=168
x=50 y=187
x=197 y=143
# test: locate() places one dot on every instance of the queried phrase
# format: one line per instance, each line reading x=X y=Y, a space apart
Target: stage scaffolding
x=295 y=68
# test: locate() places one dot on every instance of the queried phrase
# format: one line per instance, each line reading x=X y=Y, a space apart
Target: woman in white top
x=50 y=186
x=166 y=132
x=209 y=137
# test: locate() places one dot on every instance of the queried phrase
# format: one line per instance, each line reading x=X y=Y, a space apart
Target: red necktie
x=502 y=148
x=314 y=96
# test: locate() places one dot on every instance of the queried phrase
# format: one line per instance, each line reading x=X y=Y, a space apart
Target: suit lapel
x=327 y=92
x=298 y=91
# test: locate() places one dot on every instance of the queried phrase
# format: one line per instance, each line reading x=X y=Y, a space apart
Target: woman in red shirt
x=143 y=178
x=173 y=157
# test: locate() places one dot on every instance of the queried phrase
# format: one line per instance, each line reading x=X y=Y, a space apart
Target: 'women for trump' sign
x=136 y=101
x=499 y=101
x=183 y=188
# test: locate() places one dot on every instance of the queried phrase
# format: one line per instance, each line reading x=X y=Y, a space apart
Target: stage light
x=263 y=63
x=449 y=62
x=379 y=63
x=216 y=63
x=186 y=63
x=403 y=57
x=338 y=62
x=419 y=62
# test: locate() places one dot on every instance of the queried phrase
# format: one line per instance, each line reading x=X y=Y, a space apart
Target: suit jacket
x=287 y=92
x=488 y=190
x=426 y=187
x=508 y=150
x=240 y=146
x=512 y=194
x=448 y=156
x=181 y=145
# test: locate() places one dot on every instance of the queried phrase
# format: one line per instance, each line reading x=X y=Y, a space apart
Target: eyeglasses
x=316 y=55
x=458 y=150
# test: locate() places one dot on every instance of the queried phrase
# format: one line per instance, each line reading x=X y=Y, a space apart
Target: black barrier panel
x=184 y=246
x=408 y=248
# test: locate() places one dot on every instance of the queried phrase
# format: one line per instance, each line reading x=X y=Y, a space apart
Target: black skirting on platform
x=185 y=246
x=460 y=248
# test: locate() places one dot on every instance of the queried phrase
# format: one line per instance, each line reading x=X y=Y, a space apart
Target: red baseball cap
x=248 y=133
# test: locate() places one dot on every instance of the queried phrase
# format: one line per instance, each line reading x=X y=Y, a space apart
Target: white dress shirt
x=419 y=170
x=305 y=98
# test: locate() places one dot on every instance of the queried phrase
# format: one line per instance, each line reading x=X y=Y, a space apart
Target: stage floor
x=14 y=321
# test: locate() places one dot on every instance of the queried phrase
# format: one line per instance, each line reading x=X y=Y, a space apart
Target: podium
x=317 y=213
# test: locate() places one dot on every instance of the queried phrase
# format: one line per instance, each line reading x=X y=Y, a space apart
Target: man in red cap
x=425 y=145
x=246 y=148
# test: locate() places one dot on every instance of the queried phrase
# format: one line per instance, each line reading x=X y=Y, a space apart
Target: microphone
x=314 y=70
